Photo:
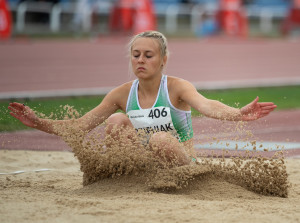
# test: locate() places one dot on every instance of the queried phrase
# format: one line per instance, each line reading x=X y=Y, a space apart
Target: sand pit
x=57 y=195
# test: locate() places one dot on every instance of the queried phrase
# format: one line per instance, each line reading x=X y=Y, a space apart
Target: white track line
x=25 y=171
x=55 y=93
x=206 y=85
x=247 y=145
x=248 y=83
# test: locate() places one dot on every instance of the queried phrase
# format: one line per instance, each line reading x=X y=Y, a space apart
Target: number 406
x=157 y=113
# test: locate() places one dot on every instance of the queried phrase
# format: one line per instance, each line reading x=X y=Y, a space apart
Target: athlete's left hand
x=256 y=110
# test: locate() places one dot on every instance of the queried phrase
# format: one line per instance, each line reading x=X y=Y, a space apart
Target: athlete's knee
x=117 y=120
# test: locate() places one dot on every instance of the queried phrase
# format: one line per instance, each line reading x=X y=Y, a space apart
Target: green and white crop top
x=163 y=116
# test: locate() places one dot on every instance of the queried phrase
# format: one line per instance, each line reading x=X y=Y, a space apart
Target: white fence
x=171 y=14
x=55 y=12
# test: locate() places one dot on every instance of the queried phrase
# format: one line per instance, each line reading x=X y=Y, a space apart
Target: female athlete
x=154 y=105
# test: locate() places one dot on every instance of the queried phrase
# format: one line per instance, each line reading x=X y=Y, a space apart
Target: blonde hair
x=161 y=39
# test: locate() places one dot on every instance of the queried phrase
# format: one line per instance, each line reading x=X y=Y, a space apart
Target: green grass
x=283 y=97
x=46 y=106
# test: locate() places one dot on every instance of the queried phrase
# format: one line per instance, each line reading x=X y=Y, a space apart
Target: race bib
x=152 y=120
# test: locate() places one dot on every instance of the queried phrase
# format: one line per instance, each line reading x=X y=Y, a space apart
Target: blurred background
x=28 y=64
x=67 y=52
x=193 y=18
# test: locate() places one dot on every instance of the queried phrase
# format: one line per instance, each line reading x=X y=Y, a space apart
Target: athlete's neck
x=149 y=86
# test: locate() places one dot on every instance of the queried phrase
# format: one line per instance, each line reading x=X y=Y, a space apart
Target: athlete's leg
x=164 y=145
x=119 y=127
x=169 y=149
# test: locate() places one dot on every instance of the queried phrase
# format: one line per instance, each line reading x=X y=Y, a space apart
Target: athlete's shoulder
x=123 y=87
x=118 y=96
x=121 y=92
x=177 y=82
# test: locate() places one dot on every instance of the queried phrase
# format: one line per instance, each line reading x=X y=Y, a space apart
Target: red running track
x=71 y=64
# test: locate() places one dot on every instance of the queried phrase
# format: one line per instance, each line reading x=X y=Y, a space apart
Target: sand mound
x=263 y=175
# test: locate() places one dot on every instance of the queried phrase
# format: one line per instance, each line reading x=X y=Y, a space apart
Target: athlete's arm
x=215 y=109
x=113 y=101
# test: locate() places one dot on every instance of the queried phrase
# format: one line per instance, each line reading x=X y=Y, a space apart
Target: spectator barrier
x=171 y=12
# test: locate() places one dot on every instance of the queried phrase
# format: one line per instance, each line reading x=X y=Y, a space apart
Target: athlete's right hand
x=24 y=114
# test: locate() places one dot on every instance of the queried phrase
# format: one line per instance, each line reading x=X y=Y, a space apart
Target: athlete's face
x=146 y=60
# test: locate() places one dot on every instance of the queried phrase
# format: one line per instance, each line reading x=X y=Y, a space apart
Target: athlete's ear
x=165 y=60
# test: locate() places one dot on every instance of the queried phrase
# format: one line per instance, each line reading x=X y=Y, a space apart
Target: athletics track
x=50 y=68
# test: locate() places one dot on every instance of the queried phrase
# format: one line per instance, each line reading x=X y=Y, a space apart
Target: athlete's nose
x=141 y=59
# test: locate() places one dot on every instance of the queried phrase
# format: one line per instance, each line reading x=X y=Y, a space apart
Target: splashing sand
x=98 y=161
